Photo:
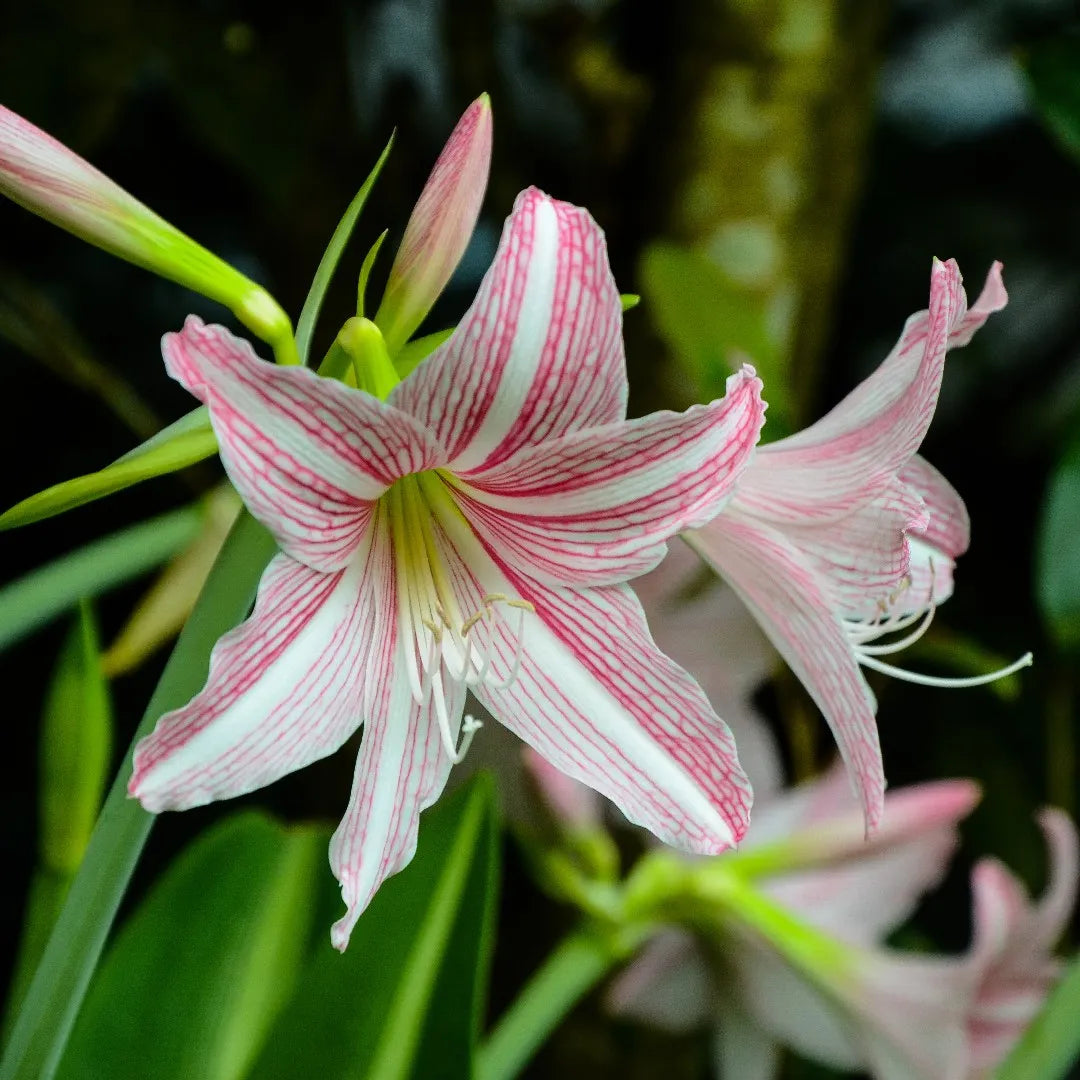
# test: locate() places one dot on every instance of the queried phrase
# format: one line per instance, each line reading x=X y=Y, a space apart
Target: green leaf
x=711 y=324
x=76 y=740
x=1053 y=71
x=1051 y=1045
x=175 y=452
x=413 y=352
x=43 y=594
x=305 y=325
x=196 y=977
x=420 y=949
x=42 y=1027
x=1057 y=577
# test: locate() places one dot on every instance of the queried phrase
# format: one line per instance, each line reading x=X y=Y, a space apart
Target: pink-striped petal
x=285 y=688
x=538 y=354
x=784 y=593
x=401 y=769
x=572 y=804
x=949 y=527
x=440 y=226
x=597 y=506
x=595 y=697
x=855 y=451
x=307 y=455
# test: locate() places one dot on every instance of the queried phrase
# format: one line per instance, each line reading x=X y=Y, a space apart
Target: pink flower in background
x=469 y=533
x=1014 y=943
x=840 y=534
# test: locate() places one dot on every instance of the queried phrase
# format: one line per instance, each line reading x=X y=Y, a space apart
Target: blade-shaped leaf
x=176 y=452
x=420 y=948
x=196 y=977
x=1051 y=1046
x=76 y=740
x=1053 y=71
x=1057 y=568
x=305 y=325
x=41 y=595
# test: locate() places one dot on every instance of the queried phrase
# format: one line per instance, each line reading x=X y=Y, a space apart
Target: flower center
x=450 y=644
x=892 y=617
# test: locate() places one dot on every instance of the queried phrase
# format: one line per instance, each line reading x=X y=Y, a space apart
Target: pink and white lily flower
x=467 y=529
x=795 y=963
x=1014 y=943
x=841 y=535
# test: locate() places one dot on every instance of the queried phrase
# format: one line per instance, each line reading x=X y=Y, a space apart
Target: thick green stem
x=567 y=975
x=56 y=993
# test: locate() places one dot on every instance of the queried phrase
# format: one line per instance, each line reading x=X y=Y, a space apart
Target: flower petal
x=595 y=697
x=786 y=595
x=949 y=527
x=401 y=769
x=540 y=351
x=440 y=226
x=596 y=506
x=285 y=688
x=308 y=455
x=857 y=449
x=742 y=1048
x=666 y=985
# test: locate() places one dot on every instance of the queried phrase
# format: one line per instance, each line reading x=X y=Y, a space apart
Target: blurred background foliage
x=774 y=177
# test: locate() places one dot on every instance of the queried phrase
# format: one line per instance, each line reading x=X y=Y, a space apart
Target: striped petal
x=538 y=354
x=785 y=593
x=307 y=455
x=440 y=226
x=855 y=451
x=285 y=688
x=949 y=527
x=401 y=769
x=592 y=694
x=597 y=506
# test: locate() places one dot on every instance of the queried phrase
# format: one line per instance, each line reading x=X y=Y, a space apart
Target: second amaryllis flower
x=467 y=530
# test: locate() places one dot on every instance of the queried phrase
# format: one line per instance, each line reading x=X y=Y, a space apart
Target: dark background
x=914 y=137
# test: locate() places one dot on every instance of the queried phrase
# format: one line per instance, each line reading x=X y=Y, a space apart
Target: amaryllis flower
x=471 y=532
x=1013 y=950
x=793 y=960
x=841 y=535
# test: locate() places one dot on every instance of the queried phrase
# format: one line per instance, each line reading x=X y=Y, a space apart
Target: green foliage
x=404 y=1000
x=1051 y=1045
x=76 y=739
x=711 y=324
x=197 y=976
x=41 y=1030
x=1057 y=583
x=305 y=325
x=1053 y=71
x=49 y=591
x=146 y=462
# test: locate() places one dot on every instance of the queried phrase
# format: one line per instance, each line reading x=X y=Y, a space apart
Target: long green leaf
x=56 y=993
x=41 y=595
x=76 y=740
x=1051 y=1046
x=145 y=463
x=1053 y=71
x=197 y=976
x=362 y=1016
x=305 y=325
x=1057 y=577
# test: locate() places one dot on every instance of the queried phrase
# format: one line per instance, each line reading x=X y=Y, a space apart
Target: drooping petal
x=785 y=594
x=742 y=1047
x=667 y=985
x=855 y=451
x=585 y=686
x=401 y=769
x=308 y=455
x=285 y=688
x=47 y=178
x=949 y=527
x=538 y=354
x=597 y=506
x=440 y=226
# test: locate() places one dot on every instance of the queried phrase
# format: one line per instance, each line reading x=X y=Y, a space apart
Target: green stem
x=566 y=976
x=59 y=985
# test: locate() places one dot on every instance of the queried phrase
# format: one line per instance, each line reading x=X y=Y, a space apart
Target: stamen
x=903 y=643
x=953 y=684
